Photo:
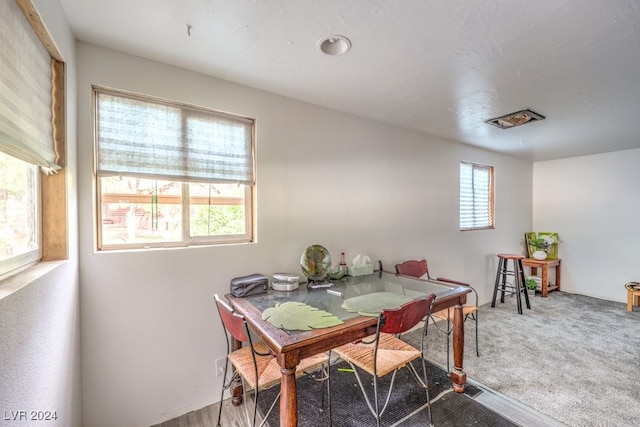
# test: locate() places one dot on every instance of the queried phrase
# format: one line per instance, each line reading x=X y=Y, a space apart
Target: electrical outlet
x=220 y=366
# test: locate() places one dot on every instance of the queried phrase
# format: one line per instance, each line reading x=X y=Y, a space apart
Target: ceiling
x=441 y=67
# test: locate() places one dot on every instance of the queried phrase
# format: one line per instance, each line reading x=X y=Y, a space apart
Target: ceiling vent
x=515 y=119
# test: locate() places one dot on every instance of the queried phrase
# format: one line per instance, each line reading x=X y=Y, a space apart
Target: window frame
x=488 y=194
x=51 y=190
x=187 y=240
x=16 y=263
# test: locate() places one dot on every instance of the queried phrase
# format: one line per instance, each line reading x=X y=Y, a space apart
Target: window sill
x=25 y=277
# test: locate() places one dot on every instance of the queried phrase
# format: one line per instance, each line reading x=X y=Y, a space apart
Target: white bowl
x=539 y=255
x=284 y=286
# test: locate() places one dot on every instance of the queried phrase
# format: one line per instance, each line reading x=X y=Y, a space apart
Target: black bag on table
x=252 y=284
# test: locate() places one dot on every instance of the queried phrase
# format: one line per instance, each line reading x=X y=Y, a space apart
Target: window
x=32 y=133
x=476 y=196
x=170 y=174
x=19 y=231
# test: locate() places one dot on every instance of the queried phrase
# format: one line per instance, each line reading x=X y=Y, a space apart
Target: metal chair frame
x=394 y=322
x=418 y=269
x=236 y=327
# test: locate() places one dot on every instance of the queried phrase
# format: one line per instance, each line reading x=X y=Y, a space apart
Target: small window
x=170 y=174
x=476 y=196
x=19 y=214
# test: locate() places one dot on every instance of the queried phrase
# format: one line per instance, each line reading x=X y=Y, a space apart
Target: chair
x=633 y=295
x=254 y=360
x=383 y=353
x=420 y=269
x=504 y=286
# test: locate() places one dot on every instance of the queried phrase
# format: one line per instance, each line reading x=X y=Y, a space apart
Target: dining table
x=290 y=346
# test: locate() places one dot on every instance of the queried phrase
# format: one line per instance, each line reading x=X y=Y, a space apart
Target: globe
x=315 y=262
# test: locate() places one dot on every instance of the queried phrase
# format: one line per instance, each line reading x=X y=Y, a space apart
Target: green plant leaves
x=298 y=316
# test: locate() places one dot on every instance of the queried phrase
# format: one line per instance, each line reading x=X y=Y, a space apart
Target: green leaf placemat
x=372 y=304
x=298 y=316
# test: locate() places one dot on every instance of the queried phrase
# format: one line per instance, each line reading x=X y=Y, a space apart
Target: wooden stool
x=633 y=295
x=518 y=285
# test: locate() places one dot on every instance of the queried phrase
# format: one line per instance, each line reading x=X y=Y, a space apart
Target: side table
x=544 y=265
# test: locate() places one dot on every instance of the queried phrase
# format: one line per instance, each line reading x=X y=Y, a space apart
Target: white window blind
x=26 y=132
x=154 y=138
x=476 y=196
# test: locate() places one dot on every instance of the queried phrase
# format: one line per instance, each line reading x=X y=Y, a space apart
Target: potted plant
x=541 y=246
x=531 y=286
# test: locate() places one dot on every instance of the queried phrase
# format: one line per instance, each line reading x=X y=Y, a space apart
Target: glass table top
x=332 y=298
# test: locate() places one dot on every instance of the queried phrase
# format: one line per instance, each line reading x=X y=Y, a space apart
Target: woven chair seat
x=393 y=353
x=632 y=286
x=383 y=353
x=448 y=313
x=269 y=371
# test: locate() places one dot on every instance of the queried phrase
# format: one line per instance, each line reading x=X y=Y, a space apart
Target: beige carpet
x=571 y=357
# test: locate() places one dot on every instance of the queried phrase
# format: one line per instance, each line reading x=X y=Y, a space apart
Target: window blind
x=26 y=130
x=476 y=196
x=140 y=136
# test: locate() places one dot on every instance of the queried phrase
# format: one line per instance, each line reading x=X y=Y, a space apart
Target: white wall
x=593 y=203
x=39 y=332
x=150 y=333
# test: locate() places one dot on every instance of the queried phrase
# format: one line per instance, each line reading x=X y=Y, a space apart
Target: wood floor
x=232 y=416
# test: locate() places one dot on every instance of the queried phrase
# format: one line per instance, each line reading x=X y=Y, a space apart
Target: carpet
x=571 y=357
x=406 y=407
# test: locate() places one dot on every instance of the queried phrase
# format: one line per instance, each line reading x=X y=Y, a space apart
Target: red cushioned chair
x=420 y=269
x=256 y=366
x=384 y=353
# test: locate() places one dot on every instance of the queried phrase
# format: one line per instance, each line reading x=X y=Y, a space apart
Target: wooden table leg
x=458 y=376
x=558 y=271
x=288 y=399
x=288 y=390
x=545 y=281
x=236 y=391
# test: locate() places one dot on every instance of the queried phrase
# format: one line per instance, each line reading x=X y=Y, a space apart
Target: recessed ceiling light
x=334 y=45
x=515 y=119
